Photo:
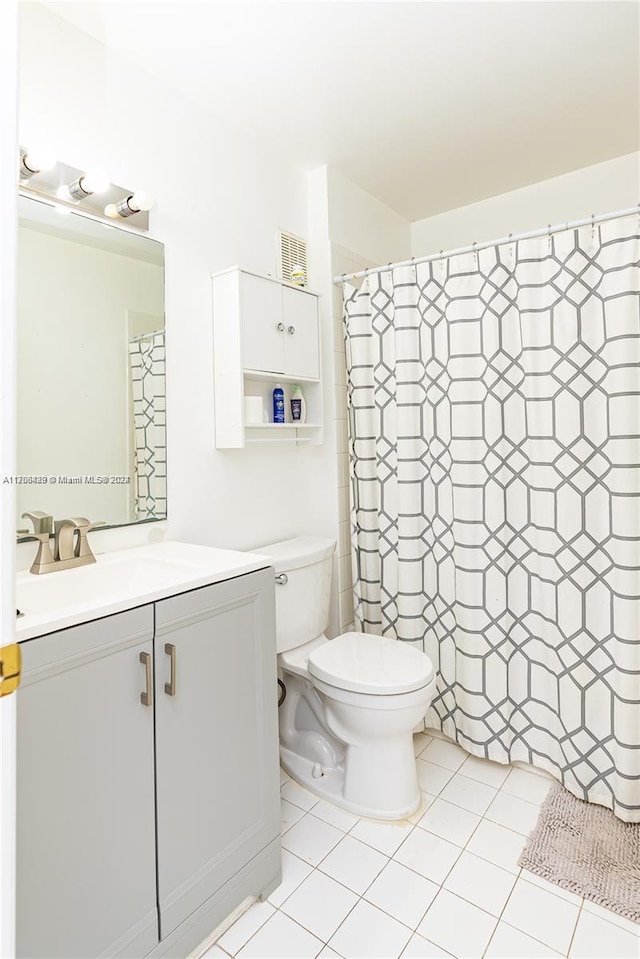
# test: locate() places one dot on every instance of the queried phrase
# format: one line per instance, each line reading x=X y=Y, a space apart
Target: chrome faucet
x=70 y=545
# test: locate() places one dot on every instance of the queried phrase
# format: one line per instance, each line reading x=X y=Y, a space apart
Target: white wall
x=220 y=199
x=359 y=221
x=602 y=188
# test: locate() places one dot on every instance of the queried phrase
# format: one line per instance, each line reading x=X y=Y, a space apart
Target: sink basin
x=121 y=580
x=91 y=584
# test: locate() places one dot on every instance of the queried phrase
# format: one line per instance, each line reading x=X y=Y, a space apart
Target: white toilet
x=351 y=703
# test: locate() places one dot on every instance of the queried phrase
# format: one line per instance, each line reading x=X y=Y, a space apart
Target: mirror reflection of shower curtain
x=147 y=370
x=494 y=419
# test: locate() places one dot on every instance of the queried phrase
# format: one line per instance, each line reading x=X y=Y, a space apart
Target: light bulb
x=63 y=193
x=37 y=159
x=95 y=181
x=111 y=210
x=141 y=201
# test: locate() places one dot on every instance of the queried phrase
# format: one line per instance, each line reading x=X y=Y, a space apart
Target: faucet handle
x=83 y=525
x=42 y=522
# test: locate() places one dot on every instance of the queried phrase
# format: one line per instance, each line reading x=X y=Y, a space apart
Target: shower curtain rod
x=589 y=221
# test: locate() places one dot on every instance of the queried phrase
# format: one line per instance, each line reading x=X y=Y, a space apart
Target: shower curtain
x=494 y=416
x=147 y=370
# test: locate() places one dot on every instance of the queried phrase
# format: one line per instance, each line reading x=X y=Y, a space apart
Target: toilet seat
x=370 y=664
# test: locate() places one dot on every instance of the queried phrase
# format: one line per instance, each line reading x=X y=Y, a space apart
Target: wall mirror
x=91 y=369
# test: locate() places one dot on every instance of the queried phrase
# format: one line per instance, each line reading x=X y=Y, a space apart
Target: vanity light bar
x=76 y=190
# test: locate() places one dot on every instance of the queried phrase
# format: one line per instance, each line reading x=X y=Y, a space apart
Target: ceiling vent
x=292 y=252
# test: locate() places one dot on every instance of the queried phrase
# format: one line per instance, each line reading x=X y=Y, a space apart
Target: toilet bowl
x=351 y=703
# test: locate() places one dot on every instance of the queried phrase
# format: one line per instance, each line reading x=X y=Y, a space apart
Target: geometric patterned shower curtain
x=147 y=369
x=494 y=415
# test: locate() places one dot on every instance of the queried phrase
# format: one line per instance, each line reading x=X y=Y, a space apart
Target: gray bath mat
x=587 y=850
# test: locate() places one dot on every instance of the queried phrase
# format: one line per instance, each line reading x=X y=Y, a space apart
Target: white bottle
x=298 y=406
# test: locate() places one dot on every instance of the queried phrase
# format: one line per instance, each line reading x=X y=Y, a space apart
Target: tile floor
x=443 y=883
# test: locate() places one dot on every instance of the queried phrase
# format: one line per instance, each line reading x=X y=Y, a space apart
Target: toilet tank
x=302 y=603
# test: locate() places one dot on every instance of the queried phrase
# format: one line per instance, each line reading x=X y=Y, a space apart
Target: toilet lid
x=370 y=664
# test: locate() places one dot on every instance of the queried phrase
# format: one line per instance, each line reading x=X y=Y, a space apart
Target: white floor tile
x=281 y=938
x=480 y=882
x=289 y=814
x=510 y=943
x=432 y=778
x=514 y=813
x=444 y=753
x=485 y=771
x=295 y=793
x=449 y=822
x=468 y=793
x=541 y=915
x=459 y=927
x=368 y=933
x=339 y=818
x=215 y=953
x=354 y=864
x=609 y=916
x=427 y=854
x=420 y=948
x=320 y=904
x=595 y=938
x=244 y=927
x=311 y=839
x=402 y=893
x=498 y=845
x=526 y=785
x=383 y=836
x=551 y=887
x=294 y=870
x=328 y=953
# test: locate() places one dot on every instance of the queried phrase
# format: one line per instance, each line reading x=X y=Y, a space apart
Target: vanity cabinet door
x=216 y=738
x=85 y=792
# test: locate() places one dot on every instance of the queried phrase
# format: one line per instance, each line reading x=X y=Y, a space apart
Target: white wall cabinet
x=265 y=332
x=142 y=825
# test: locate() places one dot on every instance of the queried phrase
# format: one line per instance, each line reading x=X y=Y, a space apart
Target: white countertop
x=121 y=580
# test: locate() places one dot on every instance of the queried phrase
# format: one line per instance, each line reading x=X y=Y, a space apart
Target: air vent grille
x=292 y=251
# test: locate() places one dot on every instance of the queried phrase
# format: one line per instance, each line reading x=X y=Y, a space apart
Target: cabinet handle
x=146 y=698
x=170 y=687
x=280 y=327
x=291 y=330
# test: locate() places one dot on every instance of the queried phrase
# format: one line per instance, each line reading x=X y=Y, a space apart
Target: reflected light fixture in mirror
x=43 y=177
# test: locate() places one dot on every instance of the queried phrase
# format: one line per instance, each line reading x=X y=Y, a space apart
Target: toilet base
x=330 y=786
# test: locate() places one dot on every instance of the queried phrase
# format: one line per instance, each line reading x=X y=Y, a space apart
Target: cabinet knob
x=291 y=330
x=280 y=327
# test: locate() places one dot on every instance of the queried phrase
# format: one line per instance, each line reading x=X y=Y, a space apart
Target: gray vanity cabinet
x=85 y=779
x=148 y=777
x=216 y=739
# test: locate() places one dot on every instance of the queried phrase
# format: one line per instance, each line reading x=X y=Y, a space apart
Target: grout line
x=575 y=928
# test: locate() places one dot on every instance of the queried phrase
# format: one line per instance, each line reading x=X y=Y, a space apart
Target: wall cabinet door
x=262 y=325
x=300 y=318
x=216 y=738
x=85 y=782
